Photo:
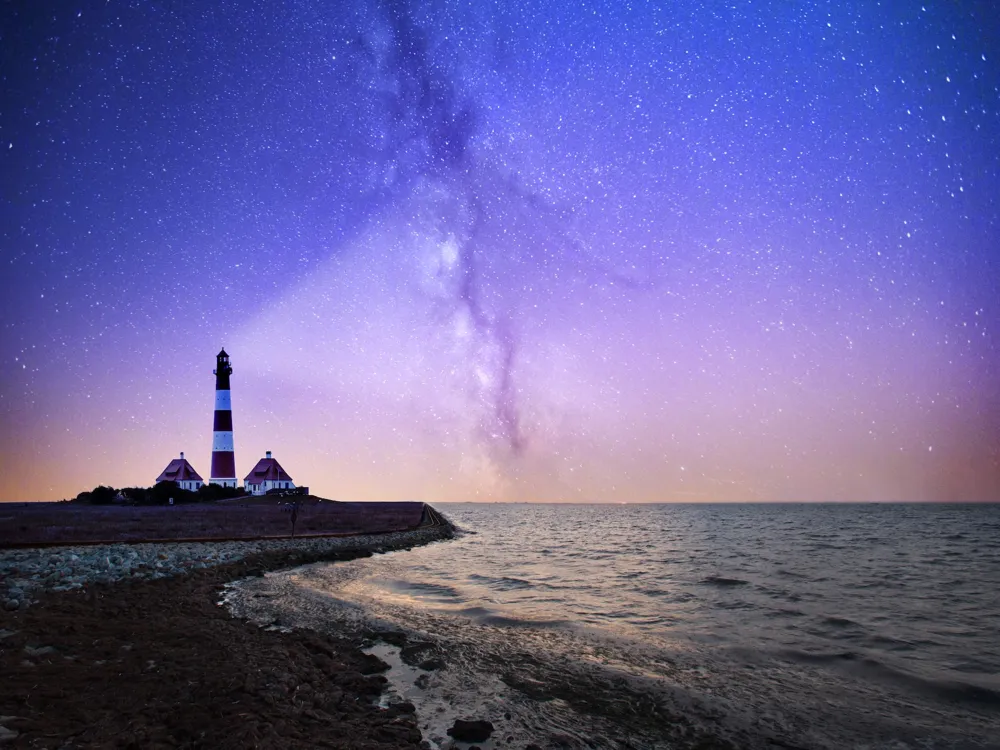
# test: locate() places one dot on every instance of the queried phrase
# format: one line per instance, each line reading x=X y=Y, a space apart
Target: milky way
x=425 y=107
x=599 y=252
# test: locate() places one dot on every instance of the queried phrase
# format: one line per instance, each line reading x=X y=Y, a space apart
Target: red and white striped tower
x=223 y=457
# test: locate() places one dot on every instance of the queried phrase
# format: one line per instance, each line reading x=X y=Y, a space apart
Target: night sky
x=590 y=251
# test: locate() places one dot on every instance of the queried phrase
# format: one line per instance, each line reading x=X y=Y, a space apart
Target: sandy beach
x=158 y=663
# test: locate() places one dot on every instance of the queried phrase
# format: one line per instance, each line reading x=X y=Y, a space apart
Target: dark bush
x=135 y=495
x=158 y=495
x=98 y=496
x=163 y=491
x=212 y=492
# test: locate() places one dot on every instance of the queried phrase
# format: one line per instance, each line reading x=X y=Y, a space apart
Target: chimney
x=182 y=455
x=268 y=454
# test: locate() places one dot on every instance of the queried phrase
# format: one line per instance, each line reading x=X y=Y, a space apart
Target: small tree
x=213 y=492
x=163 y=491
x=136 y=495
x=102 y=495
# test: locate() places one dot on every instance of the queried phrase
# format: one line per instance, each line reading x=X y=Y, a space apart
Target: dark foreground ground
x=154 y=664
x=33 y=524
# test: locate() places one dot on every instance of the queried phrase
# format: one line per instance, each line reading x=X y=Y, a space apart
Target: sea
x=806 y=626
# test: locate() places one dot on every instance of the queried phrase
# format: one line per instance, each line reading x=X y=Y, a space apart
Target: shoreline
x=497 y=606
x=530 y=702
x=153 y=660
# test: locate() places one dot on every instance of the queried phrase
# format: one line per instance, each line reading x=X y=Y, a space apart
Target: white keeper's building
x=267 y=475
x=182 y=473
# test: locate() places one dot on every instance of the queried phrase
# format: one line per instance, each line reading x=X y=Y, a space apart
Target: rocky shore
x=126 y=646
x=26 y=572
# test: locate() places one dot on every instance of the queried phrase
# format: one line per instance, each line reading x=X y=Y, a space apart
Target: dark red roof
x=267 y=470
x=179 y=470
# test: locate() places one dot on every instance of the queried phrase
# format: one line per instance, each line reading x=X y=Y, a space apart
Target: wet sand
x=158 y=663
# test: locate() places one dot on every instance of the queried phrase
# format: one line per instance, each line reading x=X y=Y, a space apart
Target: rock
x=413 y=653
x=12 y=605
x=395 y=637
x=432 y=665
x=404 y=708
x=533 y=746
x=104 y=564
x=6 y=734
x=371 y=664
x=471 y=731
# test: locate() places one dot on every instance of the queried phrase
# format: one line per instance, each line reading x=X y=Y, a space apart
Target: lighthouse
x=223 y=456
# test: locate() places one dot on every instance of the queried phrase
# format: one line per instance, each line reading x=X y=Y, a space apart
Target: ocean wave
x=892 y=644
x=784 y=613
x=672 y=595
x=940 y=688
x=505 y=583
x=749 y=606
x=507 y=621
x=814 y=657
x=964 y=692
x=723 y=581
x=786 y=573
x=423 y=590
x=841 y=622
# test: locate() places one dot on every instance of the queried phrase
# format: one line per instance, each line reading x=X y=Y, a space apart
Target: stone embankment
x=26 y=572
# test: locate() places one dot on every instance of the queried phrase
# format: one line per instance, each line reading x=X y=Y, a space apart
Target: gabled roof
x=179 y=470
x=267 y=470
